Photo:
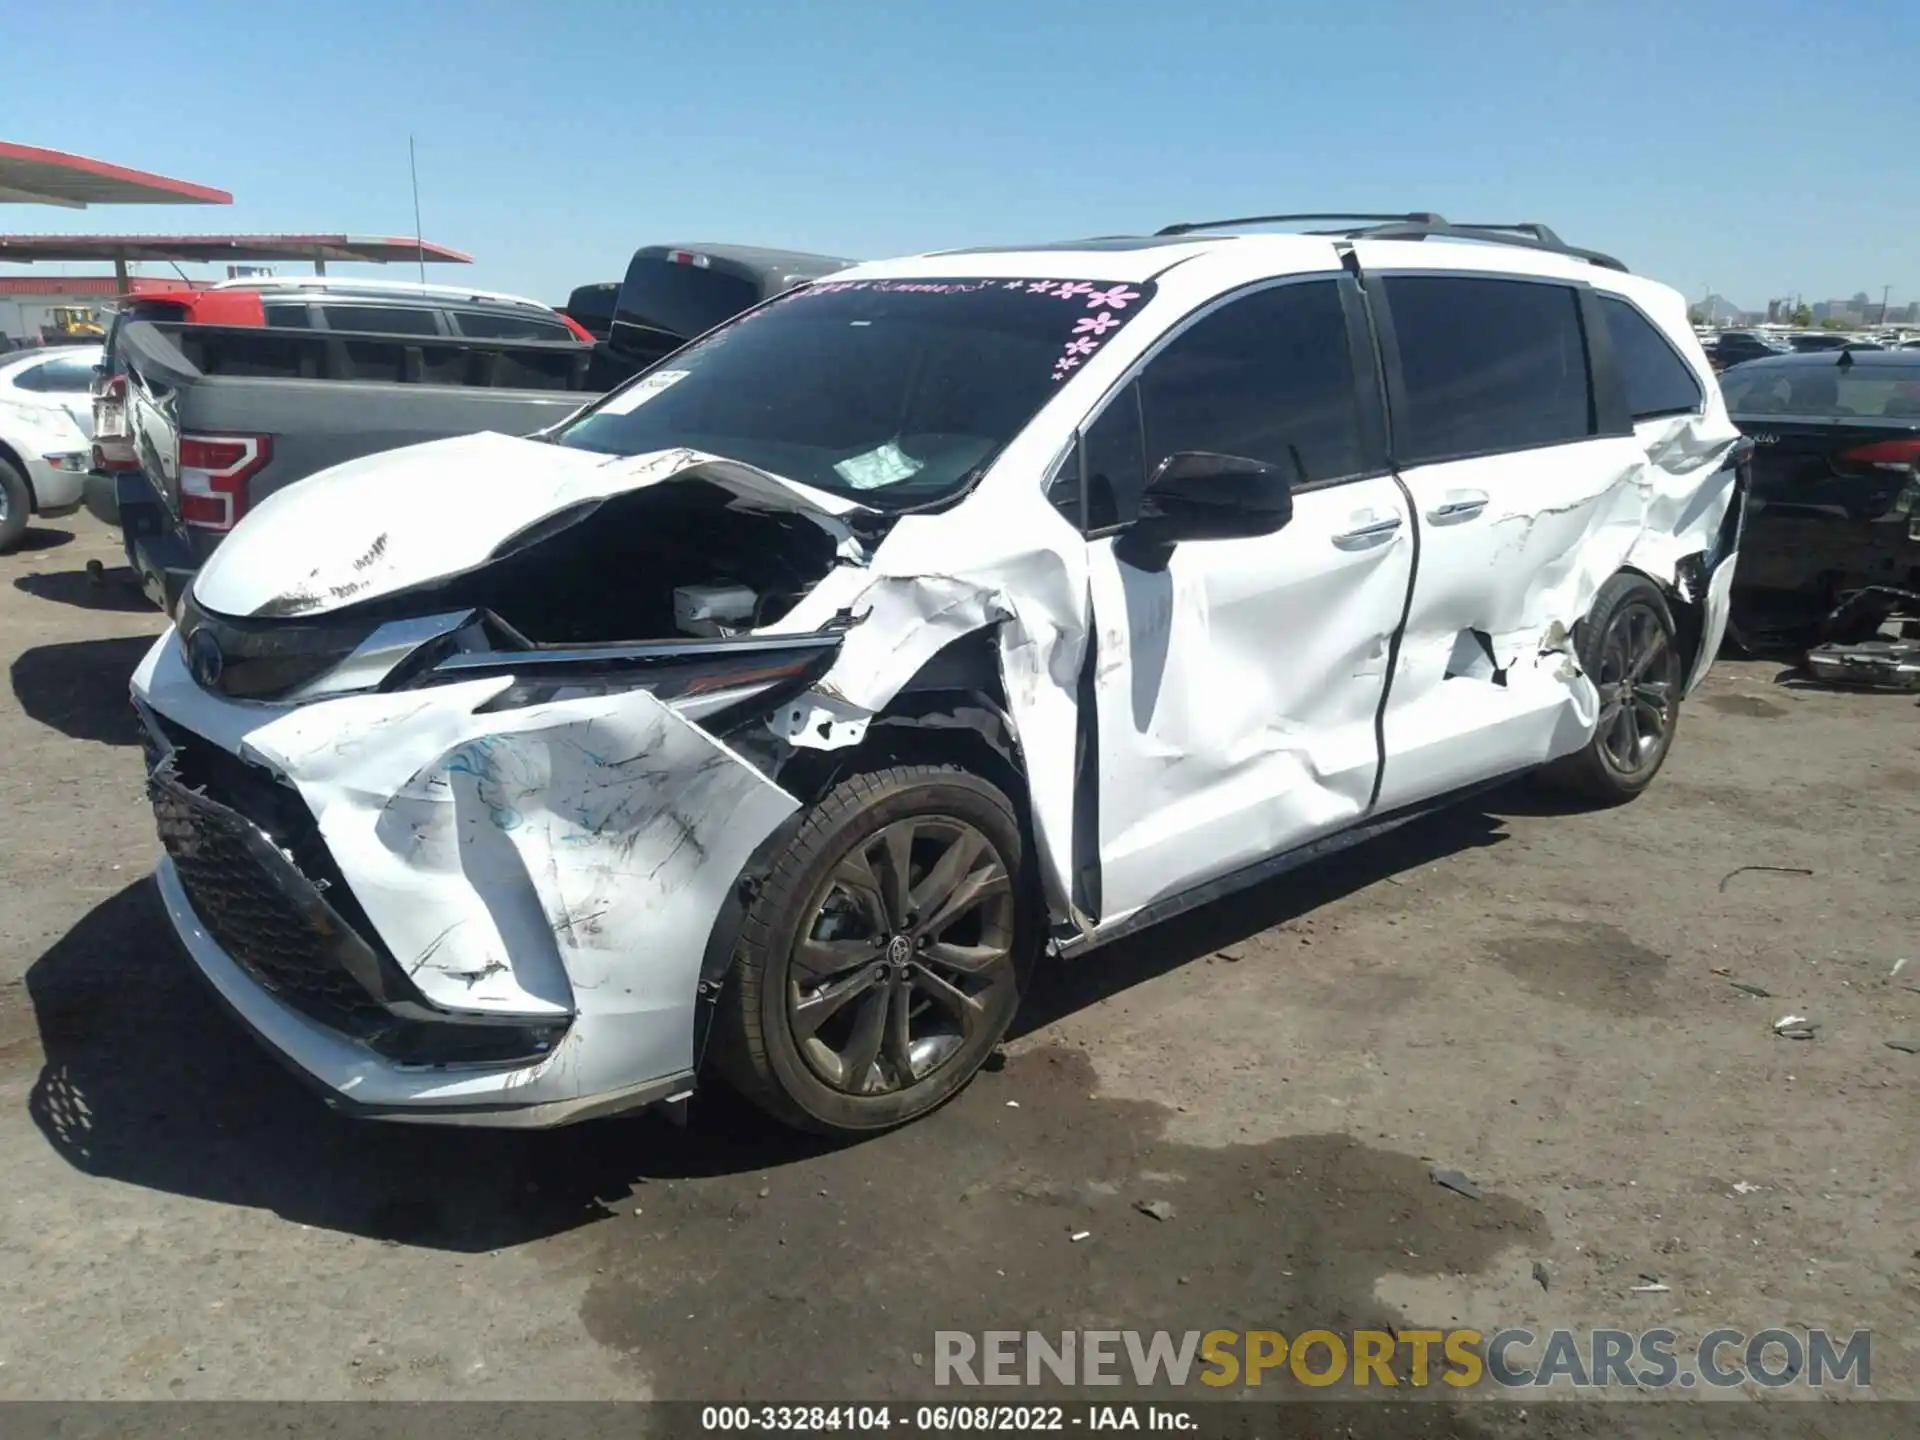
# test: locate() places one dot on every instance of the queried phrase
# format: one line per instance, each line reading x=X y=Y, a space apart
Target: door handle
x=1457 y=505
x=1363 y=535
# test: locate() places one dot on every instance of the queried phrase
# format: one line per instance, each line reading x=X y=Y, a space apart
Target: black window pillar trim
x=1386 y=345
x=1369 y=391
x=1608 y=413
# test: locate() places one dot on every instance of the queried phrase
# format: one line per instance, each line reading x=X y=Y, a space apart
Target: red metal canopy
x=34 y=176
x=17 y=286
x=25 y=249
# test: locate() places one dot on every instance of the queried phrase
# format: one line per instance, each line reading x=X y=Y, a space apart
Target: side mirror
x=1196 y=495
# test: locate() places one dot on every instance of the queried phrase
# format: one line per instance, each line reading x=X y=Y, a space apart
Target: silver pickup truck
x=195 y=423
x=219 y=417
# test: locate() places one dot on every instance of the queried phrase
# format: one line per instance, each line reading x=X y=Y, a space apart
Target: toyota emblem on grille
x=204 y=658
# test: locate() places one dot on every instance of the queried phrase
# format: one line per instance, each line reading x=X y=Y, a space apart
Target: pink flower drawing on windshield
x=1090 y=331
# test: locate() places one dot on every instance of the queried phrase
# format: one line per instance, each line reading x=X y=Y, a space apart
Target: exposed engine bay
x=688 y=561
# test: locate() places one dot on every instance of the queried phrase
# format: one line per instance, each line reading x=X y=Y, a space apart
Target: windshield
x=895 y=393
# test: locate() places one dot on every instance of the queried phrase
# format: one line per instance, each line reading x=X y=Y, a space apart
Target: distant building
x=31 y=303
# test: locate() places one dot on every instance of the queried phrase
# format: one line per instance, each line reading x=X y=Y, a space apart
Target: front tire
x=16 y=505
x=884 y=955
x=1629 y=646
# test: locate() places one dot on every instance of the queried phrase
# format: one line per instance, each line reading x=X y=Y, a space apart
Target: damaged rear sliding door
x=1237 y=682
x=1530 y=492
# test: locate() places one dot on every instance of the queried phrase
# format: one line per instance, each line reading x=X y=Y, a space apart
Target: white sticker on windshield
x=886 y=466
x=628 y=401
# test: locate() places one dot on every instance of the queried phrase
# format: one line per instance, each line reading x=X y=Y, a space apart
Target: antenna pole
x=419 y=245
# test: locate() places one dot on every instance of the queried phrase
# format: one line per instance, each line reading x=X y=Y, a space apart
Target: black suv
x=676 y=293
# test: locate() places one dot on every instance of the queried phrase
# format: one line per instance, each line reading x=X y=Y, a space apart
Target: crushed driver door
x=1237 y=687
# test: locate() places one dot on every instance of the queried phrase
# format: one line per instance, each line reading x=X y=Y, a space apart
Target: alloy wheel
x=1639 y=685
x=907 y=948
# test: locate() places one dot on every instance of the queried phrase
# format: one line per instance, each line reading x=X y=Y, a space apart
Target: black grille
x=263 y=660
x=252 y=915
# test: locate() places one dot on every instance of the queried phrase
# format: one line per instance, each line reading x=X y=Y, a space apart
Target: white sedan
x=46 y=426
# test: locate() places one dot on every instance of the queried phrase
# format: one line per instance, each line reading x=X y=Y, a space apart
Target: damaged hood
x=406 y=517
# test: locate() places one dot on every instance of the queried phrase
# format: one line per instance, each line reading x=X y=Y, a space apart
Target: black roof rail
x=1529 y=236
x=1417 y=217
x=1423 y=225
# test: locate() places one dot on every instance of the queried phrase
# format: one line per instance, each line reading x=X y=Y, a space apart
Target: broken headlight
x=697 y=678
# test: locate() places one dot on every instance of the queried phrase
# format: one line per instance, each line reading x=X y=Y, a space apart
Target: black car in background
x=1835 y=504
x=1818 y=344
x=1736 y=347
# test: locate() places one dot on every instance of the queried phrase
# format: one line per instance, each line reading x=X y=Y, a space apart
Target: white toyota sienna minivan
x=780 y=709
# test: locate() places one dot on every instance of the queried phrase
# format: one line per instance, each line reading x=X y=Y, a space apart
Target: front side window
x=1113 y=454
x=896 y=393
x=1657 y=381
x=1266 y=377
x=1487 y=366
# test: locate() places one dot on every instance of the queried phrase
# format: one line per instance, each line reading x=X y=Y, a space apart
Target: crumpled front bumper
x=555 y=870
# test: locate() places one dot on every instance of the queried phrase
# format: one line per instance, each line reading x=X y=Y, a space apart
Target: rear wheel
x=1627 y=645
x=885 y=954
x=16 y=505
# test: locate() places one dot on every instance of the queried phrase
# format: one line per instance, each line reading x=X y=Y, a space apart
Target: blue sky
x=1758 y=148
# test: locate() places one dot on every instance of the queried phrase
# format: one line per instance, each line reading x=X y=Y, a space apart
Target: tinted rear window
x=682 y=300
x=58 y=377
x=592 y=306
x=509 y=325
x=1489 y=365
x=1824 y=392
x=289 y=317
x=1656 y=379
x=380 y=319
x=153 y=310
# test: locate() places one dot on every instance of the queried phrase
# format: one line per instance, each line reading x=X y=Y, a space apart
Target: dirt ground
x=1543 y=1001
